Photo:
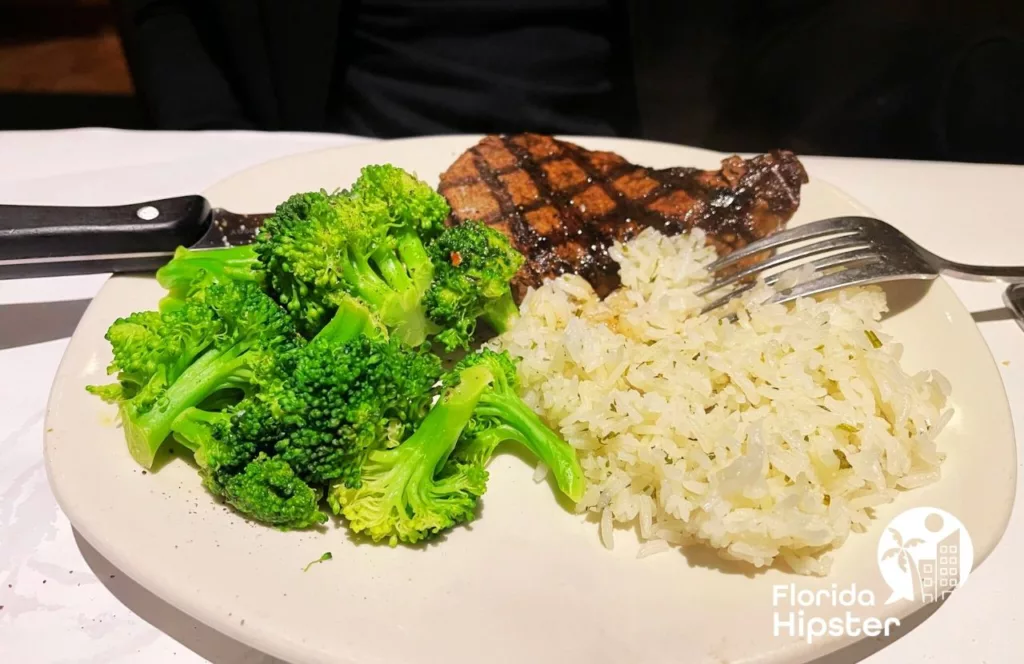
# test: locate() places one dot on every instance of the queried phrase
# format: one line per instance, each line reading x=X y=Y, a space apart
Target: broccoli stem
x=402 y=311
x=212 y=370
x=411 y=327
x=501 y=313
x=437 y=434
x=351 y=319
x=417 y=260
x=366 y=283
x=524 y=426
x=392 y=269
x=193 y=427
x=480 y=448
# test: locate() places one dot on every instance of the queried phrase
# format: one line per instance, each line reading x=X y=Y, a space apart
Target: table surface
x=60 y=601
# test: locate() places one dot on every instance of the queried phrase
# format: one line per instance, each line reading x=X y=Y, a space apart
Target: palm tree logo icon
x=903 y=556
x=924 y=554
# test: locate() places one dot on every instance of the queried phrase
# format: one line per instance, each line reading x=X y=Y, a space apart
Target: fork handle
x=1008 y=273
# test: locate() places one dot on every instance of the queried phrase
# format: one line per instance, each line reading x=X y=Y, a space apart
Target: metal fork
x=844 y=251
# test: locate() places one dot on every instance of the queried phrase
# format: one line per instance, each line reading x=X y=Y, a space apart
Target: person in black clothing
x=383 y=67
x=931 y=79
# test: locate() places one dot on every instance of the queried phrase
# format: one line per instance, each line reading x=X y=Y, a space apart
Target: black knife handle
x=47 y=241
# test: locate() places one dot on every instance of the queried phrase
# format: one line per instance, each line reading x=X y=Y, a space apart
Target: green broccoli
x=417 y=214
x=473 y=265
x=305 y=250
x=231 y=450
x=502 y=415
x=318 y=247
x=339 y=402
x=319 y=410
x=351 y=319
x=322 y=406
x=216 y=341
x=188 y=265
x=402 y=496
x=269 y=491
x=415 y=491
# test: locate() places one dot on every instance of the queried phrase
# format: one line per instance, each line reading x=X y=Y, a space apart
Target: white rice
x=767 y=438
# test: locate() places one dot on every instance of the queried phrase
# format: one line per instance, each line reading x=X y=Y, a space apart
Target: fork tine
x=832 y=244
x=736 y=292
x=817 y=229
x=868 y=256
x=855 y=276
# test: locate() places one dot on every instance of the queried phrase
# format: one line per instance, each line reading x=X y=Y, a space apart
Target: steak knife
x=52 y=241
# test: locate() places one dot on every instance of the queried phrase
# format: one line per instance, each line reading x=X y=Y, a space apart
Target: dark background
x=917 y=79
x=61 y=65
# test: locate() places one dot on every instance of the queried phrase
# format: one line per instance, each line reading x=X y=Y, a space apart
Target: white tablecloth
x=61 y=602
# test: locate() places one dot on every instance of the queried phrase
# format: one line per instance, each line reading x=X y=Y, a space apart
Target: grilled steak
x=562 y=205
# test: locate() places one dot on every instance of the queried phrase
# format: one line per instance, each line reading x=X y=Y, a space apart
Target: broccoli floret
x=502 y=415
x=318 y=247
x=150 y=351
x=321 y=407
x=343 y=401
x=473 y=265
x=215 y=343
x=404 y=495
x=304 y=249
x=230 y=449
x=189 y=265
x=319 y=410
x=416 y=213
x=269 y=491
x=415 y=491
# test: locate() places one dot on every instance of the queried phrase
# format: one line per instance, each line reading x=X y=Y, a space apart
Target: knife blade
x=50 y=241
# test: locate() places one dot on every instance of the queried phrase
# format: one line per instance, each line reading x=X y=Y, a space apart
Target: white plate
x=529 y=581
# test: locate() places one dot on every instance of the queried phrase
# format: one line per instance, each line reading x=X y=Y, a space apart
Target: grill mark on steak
x=575 y=246
x=562 y=206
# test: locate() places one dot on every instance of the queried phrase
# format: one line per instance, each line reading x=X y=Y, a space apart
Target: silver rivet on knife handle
x=147 y=213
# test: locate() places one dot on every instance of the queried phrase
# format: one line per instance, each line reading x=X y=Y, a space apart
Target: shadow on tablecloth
x=28 y=323
x=205 y=641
